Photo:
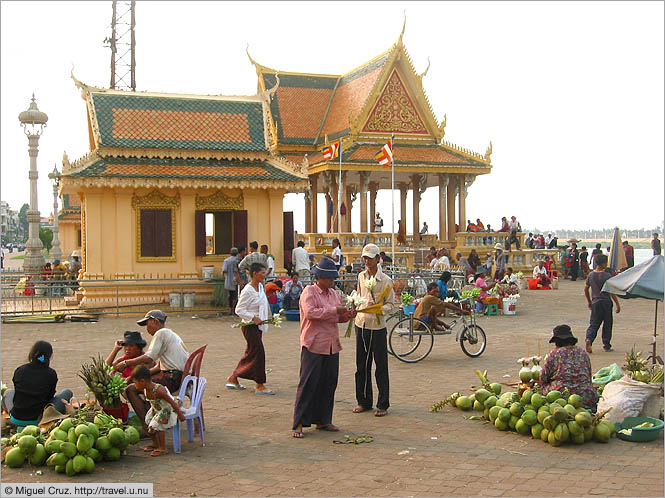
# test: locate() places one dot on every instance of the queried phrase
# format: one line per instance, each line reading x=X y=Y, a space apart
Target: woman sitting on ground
x=34 y=388
x=568 y=366
x=132 y=344
x=483 y=284
x=540 y=274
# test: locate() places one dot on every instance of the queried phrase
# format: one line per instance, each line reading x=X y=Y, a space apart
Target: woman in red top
x=133 y=345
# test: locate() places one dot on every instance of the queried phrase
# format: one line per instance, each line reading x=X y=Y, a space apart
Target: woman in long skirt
x=253 y=307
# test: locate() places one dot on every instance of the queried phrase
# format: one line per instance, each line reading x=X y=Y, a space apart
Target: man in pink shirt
x=321 y=310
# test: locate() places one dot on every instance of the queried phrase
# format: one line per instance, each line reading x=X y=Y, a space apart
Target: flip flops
x=360 y=409
x=298 y=434
x=158 y=452
x=328 y=428
x=268 y=392
x=237 y=387
x=381 y=413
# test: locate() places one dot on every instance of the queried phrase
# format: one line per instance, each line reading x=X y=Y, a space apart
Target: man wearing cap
x=321 y=310
x=166 y=348
x=371 y=336
x=500 y=259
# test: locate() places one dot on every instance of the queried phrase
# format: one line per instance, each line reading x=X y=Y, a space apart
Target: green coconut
x=463 y=403
x=89 y=465
x=112 y=454
x=516 y=409
x=482 y=395
x=575 y=429
x=588 y=433
x=536 y=431
x=472 y=398
x=103 y=444
x=79 y=462
x=561 y=432
x=30 y=430
x=575 y=400
x=490 y=402
x=504 y=414
x=602 y=433
x=553 y=440
x=513 y=422
x=561 y=402
x=478 y=406
x=69 y=468
x=502 y=425
x=526 y=397
x=68 y=449
x=577 y=439
x=560 y=414
x=71 y=435
x=537 y=400
x=84 y=443
x=486 y=413
x=494 y=413
x=542 y=415
x=66 y=424
x=27 y=444
x=57 y=459
x=52 y=446
x=609 y=425
x=14 y=458
x=584 y=419
x=93 y=431
x=496 y=388
x=95 y=454
x=544 y=435
x=134 y=436
x=81 y=429
x=60 y=435
x=522 y=428
x=552 y=396
x=570 y=409
x=60 y=469
x=530 y=417
x=550 y=423
x=39 y=456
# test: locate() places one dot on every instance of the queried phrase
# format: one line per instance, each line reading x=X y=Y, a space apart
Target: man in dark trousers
x=600 y=304
x=371 y=335
x=630 y=254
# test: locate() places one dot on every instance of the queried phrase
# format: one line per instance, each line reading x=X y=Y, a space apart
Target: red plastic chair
x=193 y=368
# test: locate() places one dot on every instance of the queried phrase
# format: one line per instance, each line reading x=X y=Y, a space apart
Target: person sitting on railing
x=431 y=305
x=424 y=229
x=504 y=225
x=515 y=227
x=539 y=241
x=540 y=273
x=528 y=242
x=479 y=224
x=471 y=227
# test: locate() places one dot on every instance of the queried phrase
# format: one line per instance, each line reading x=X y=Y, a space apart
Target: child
x=164 y=409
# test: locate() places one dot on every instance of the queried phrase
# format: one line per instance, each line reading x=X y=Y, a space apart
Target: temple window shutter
x=200 y=232
x=148 y=247
x=240 y=228
x=163 y=233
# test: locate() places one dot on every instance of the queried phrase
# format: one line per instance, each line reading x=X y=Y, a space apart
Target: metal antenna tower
x=123 y=45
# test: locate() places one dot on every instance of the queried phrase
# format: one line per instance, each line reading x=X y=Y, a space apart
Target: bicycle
x=412 y=339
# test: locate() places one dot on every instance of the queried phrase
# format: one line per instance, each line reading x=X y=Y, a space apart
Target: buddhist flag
x=331 y=151
x=385 y=155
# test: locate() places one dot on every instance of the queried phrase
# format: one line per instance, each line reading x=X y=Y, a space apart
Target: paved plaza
x=250 y=452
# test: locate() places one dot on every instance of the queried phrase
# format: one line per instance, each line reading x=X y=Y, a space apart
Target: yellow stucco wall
x=111 y=231
x=67 y=233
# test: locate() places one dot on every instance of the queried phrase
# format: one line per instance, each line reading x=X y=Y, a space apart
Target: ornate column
x=314 y=214
x=450 y=197
x=351 y=195
x=373 y=188
x=364 y=181
x=334 y=226
x=415 y=182
x=328 y=218
x=308 y=211
x=403 y=189
x=443 y=215
x=56 y=252
x=461 y=179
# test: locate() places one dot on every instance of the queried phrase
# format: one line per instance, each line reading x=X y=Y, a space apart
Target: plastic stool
x=491 y=309
x=479 y=307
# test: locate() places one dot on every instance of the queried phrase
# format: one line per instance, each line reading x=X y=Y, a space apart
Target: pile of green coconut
x=556 y=418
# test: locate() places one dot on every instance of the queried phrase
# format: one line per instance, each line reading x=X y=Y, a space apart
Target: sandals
x=237 y=387
x=328 y=428
x=381 y=413
x=360 y=409
x=158 y=452
x=149 y=448
x=298 y=434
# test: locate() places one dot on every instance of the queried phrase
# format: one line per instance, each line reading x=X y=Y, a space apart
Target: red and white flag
x=331 y=151
x=385 y=155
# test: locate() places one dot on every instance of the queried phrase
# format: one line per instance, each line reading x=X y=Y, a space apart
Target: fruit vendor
x=132 y=343
x=321 y=310
x=167 y=349
x=34 y=387
x=371 y=334
x=431 y=305
x=568 y=366
x=482 y=284
x=540 y=273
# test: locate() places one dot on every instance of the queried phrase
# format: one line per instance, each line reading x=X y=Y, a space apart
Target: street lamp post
x=55 y=175
x=33 y=121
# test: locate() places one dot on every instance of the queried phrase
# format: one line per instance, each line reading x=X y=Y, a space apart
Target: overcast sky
x=569 y=93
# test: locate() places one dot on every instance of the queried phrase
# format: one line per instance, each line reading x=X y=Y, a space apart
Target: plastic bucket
x=175 y=299
x=188 y=300
x=208 y=272
x=509 y=305
x=409 y=310
x=533 y=283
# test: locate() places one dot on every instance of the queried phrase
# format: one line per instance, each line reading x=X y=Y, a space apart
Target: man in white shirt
x=168 y=350
x=270 y=273
x=300 y=258
x=540 y=273
x=378 y=223
x=548 y=239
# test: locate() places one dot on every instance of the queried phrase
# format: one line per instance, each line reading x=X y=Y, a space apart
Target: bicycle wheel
x=473 y=340
x=410 y=348
x=390 y=323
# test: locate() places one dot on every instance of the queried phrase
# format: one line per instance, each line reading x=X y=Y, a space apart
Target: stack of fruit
x=106 y=387
x=554 y=418
x=639 y=370
x=73 y=446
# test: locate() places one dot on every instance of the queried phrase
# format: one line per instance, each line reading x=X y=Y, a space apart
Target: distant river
x=642 y=255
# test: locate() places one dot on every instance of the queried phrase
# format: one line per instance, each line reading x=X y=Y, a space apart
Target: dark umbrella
x=646 y=281
x=617 y=258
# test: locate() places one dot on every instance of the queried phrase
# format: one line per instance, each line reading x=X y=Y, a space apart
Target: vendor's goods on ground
x=556 y=418
x=106 y=387
x=72 y=446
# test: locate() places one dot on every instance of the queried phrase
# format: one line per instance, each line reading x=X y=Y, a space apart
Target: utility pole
x=123 y=45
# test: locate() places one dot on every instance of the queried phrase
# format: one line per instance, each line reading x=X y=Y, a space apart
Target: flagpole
x=392 y=198
x=339 y=193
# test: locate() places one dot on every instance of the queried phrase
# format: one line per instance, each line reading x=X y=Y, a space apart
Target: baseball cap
x=157 y=314
x=371 y=251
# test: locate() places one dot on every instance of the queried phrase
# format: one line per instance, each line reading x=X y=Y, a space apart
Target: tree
x=46 y=236
x=23 y=223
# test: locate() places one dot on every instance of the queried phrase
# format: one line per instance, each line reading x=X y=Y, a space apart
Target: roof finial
x=488 y=153
x=403 y=27
x=250 y=57
x=424 y=73
x=271 y=92
x=78 y=83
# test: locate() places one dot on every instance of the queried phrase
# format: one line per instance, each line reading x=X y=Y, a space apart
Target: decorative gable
x=394 y=111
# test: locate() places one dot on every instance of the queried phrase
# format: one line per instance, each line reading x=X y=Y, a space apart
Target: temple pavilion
x=173 y=181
